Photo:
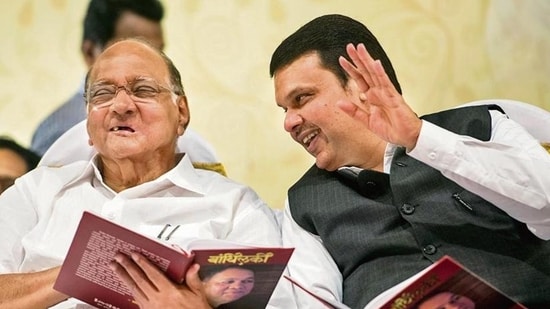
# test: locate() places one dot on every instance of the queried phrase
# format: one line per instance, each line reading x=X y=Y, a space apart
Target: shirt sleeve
x=511 y=170
x=310 y=265
x=254 y=222
x=16 y=219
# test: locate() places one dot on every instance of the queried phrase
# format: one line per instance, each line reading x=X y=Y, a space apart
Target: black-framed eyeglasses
x=141 y=90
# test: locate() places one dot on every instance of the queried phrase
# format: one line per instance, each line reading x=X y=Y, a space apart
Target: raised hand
x=381 y=108
x=152 y=289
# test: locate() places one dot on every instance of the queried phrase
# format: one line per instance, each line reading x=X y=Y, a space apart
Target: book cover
x=448 y=283
x=85 y=273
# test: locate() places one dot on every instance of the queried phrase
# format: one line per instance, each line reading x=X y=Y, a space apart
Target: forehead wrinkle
x=127 y=51
x=129 y=80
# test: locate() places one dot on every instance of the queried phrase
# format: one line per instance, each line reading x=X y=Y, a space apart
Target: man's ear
x=90 y=51
x=184 y=116
x=90 y=142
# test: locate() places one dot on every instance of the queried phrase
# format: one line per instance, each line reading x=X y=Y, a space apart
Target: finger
x=139 y=278
x=120 y=270
x=364 y=61
x=368 y=63
x=192 y=279
x=153 y=274
x=361 y=65
x=354 y=71
x=378 y=74
x=195 y=287
x=354 y=74
x=384 y=81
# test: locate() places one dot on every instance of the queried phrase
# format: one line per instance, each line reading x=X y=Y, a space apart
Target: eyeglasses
x=141 y=90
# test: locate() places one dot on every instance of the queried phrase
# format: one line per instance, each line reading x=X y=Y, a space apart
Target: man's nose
x=292 y=120
x=122 y=101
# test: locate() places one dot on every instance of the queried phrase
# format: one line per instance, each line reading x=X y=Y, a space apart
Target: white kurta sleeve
x=511 y=170
x=311 y=265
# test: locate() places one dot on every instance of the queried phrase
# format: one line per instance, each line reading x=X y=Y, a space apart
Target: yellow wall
x=446 y=52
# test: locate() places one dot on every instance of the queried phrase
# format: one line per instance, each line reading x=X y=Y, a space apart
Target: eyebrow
x=101 y=82
x=131 y=80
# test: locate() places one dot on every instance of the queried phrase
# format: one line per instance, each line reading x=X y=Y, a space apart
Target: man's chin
x=325 y=165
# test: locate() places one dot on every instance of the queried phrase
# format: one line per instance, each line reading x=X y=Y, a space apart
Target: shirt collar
x=388 y=156
x=185 y=176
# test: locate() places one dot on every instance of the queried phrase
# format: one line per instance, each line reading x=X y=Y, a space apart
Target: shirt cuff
x=436 y=146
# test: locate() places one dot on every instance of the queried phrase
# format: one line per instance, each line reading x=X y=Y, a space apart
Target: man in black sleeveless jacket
x=390 y=192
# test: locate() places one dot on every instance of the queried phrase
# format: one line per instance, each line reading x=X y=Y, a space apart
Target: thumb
x=192 y=278
x=195 y=286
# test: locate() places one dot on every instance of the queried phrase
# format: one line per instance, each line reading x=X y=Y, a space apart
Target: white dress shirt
x=511 y=171
x=41 y=211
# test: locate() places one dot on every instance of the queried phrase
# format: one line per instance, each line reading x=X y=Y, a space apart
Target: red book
x=448 y=281
x=443 y=282
x=85 y=273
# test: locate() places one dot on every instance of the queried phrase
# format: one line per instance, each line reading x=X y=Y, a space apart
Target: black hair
x=102 y=16
x=327 y=36
x=30 y=157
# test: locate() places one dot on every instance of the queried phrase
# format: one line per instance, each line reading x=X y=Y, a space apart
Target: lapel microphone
x=370 y=184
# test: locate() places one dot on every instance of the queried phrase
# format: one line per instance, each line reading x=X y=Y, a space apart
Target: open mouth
x=308 y=138
x=121 y=128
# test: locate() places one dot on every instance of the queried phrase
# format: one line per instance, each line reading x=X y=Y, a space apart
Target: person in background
x=15 y=160
x=390 y=193
x=105 y=22
x=136 y=110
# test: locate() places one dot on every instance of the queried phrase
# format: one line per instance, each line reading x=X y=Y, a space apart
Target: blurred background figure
x=105 y=22
x=15 y=160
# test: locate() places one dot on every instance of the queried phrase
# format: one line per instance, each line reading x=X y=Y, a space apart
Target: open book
x=443 y=282
x=448 y=281
x=85 y=273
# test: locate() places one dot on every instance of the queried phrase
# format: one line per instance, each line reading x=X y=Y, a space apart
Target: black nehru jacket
x=389 y=227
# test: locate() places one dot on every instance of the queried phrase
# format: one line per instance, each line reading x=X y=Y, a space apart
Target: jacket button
x=407 y=209
x=429 y=249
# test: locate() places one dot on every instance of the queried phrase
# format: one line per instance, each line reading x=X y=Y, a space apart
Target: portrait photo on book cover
x=244 y=286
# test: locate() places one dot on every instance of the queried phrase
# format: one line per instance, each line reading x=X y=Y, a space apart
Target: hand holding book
x=86 y=273
x=152 y=289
